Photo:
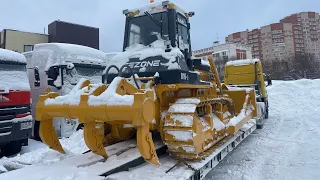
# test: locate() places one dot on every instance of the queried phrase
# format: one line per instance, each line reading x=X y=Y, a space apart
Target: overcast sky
x=214 y=18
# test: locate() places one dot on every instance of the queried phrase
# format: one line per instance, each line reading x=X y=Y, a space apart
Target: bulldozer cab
x=246 y=73
x=164 y=21
x=156 y=39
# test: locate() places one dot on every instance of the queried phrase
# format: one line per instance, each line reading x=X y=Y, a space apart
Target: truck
x=249 y=73
x=58 y=66
x=15 y=117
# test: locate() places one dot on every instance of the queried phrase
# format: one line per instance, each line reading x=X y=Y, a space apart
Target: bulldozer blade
x=93 y=139
x=146 y=145
x=49 y=137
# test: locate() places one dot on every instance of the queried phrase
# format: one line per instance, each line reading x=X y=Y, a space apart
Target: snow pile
x=243 y=114
x=7 y=55
x=217 y=124
x=242 y=62
x=111 y=97
x=73 y=97
x=181 y=135
x=62 y=53
x=205 y=63
x=205 y=124
x=235 y=88
x=13 y=80
x=142 y=52
x=73 y=145
x=183 y=108
x=188 y=101
x=185 y=120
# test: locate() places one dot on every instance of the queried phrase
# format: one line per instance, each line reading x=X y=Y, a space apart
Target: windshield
x=143 y=30
x=90 y=73
x=13 y=77
x=72 y=76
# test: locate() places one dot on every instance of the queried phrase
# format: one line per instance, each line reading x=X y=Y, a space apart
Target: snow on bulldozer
x=154 y=86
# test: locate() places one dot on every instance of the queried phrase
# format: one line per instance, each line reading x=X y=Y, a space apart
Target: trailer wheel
x=80 y=126
x=260 y=122
x=36 y=135
x=12 y=148
x=267 y=111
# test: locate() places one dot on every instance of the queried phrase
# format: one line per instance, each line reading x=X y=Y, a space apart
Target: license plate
x=25 y=125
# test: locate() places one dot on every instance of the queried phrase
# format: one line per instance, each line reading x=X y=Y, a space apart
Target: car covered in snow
x=59 y=66
x=15 y=117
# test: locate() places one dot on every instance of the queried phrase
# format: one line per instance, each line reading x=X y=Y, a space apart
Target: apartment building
x=230 y=51
x=306 y=29
x=223 y=53
x=294 y=34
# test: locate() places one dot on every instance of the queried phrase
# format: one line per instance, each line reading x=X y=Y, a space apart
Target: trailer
x=126 y=162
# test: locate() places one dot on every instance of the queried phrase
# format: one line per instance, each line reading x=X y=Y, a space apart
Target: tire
x=261 y=121
x=80 y=126
x=259 y=126
x=12 y=148
x=267 y=111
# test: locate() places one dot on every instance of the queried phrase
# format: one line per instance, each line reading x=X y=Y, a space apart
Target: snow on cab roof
x=7 y=55
x=242 y=62
x=71 y=53
x=153 y=8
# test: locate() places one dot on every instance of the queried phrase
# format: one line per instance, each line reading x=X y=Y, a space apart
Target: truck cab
x=15 y=116
x=59 y=66
x=249 y=73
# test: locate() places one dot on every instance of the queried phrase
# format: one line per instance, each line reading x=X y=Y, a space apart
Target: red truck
x=15 y=116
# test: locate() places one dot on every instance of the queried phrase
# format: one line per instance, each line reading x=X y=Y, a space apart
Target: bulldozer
x=154 y=86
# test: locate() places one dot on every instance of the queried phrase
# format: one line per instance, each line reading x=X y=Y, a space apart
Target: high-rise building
x=297 y=33
x=306 y=29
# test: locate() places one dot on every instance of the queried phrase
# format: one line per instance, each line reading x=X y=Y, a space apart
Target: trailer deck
x=125 y=162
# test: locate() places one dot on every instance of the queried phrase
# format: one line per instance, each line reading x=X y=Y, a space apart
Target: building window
x=28 y=48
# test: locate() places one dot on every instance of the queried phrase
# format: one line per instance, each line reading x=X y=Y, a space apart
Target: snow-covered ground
x=38 y=154
x=289 y=145
x=287 y=148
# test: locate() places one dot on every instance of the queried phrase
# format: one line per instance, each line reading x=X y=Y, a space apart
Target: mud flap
x=49 y=136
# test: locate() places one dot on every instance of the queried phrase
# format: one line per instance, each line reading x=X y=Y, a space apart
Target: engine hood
x=152 y=58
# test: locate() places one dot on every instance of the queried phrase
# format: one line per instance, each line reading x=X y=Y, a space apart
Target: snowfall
x=288 y=147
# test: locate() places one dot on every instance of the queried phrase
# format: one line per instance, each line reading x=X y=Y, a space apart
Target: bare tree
x=305 y=64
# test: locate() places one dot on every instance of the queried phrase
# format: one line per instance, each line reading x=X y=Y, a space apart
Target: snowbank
x=288 y=145
x=7 y=55
x=73 y=145
x=242 y=62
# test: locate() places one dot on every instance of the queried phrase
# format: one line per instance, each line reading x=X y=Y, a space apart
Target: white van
x=59 y=66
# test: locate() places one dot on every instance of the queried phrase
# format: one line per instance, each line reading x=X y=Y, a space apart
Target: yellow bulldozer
x=153 y=86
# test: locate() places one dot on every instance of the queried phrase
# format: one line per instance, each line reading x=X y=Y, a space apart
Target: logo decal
x=4 y=99
x=144 y=64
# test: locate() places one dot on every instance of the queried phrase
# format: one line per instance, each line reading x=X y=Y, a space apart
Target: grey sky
x=212 y=17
